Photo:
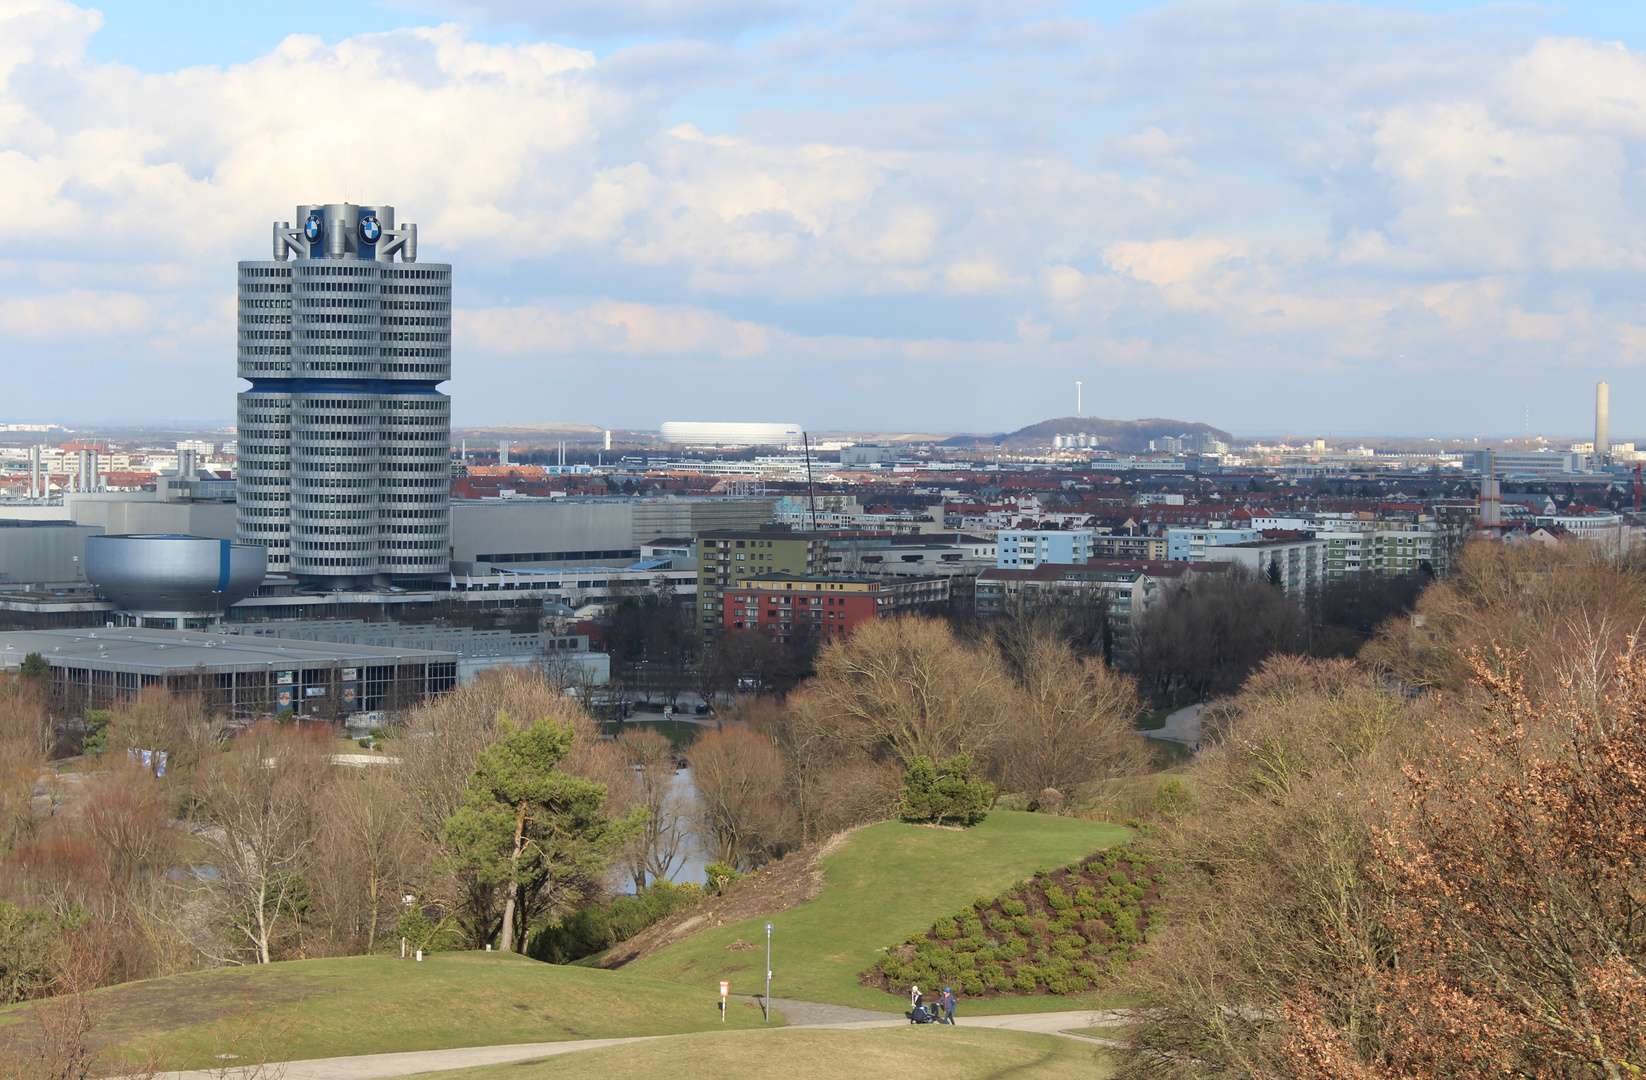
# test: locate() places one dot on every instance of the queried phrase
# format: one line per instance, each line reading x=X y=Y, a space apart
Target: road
x=799 y=1013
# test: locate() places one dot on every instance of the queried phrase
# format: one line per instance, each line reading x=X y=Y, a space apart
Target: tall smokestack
x=1603 y=418
x=1489 y=512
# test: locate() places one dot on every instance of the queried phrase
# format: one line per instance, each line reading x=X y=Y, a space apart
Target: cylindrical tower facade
x=345 y=437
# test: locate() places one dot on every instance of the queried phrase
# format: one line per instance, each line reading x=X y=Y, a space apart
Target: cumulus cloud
x=858 y=195
x=611 y=327
x=76 y=316
x=619 y=18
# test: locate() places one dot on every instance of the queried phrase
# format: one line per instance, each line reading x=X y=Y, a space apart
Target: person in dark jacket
x=946 y=1003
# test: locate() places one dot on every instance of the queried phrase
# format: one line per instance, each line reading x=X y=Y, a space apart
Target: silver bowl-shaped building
x=161 y=573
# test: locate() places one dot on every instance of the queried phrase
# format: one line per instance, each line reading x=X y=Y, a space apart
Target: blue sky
x=1272 y=216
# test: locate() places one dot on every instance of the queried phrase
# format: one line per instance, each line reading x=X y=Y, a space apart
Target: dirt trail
x=782 y=885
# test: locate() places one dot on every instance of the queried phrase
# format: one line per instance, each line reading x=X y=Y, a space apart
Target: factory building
x=43 y=556
x=574 y=531
x=344 y=438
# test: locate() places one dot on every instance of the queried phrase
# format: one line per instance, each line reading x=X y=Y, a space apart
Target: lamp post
x=768 y=973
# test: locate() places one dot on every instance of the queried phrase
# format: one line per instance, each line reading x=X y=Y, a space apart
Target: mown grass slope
x=877 y=1054
x=887 y=882
x=378 y=1004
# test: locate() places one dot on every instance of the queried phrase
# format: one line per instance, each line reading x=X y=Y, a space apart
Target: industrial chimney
x=1489 y=509
x=1603 y=417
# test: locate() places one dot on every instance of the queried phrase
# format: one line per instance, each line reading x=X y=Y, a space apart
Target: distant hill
x=1122 y=436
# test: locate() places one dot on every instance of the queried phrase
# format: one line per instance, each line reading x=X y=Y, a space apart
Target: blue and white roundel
x=370 y=230
x=312 y=230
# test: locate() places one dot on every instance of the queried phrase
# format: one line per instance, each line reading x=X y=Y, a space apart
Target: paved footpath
x=809 y=1014
x=1182 y=726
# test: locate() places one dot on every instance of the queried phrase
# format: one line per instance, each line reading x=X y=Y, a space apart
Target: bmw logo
x=312 y=229
x=370 y=230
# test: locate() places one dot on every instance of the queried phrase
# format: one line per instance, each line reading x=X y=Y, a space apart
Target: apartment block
x=1145 y=548
x=723 y=556
x=1383 y=548
x=1190 y=545
x=787 y=604
x=1021 y=549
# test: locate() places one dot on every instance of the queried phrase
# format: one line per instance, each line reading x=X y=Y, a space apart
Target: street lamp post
x=768 y=973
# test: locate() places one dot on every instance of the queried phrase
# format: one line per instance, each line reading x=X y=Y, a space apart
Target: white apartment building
x=1023 y=549
x=1296 y=564
x=1191 y=545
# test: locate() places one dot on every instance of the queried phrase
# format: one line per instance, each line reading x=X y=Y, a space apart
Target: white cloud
x=611 y=327
x=74 y=316
x=873 y=191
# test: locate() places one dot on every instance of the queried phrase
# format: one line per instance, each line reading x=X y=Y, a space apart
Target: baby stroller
x=921 y=1015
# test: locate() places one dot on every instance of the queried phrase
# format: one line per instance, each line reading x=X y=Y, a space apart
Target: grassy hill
x=879 y=1054
x=889 y=881
x=377 y=1004
x=1122 y=436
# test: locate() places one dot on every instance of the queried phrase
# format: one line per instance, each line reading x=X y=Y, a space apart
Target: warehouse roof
x=173 y=651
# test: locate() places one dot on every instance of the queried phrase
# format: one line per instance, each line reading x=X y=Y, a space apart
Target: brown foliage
x=1070 y=724
x=442 y=740
x=1514 y=893
x=1273 y=901
x=906 y=687
x=183 y=725
x=833 y=785
x=25 y=739
x=367 y=853
x=261 y=802
x=1568 y=610
x=660 y=847
x=739 y=776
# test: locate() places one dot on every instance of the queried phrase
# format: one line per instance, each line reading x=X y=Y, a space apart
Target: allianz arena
x=691 y=433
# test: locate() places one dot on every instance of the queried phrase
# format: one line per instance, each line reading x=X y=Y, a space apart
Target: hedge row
x=1060 y=932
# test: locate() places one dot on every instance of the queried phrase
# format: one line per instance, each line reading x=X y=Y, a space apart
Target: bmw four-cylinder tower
x=344 y=470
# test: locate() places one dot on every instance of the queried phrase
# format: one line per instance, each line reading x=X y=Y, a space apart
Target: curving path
x=1182 y=726
x=808 y=1014
x=377 y=1066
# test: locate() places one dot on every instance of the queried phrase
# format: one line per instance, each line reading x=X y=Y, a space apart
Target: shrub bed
x=1060 y=932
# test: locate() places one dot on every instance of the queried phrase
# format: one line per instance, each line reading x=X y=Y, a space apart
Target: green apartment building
x=725 y=555
x=1383 y=550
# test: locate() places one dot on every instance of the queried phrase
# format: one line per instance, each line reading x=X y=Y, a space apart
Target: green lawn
x=678 y=732
x=1169 y=754
x=377 y=1004
x=889 y=881
x=877 y=1054
x=1153 y=719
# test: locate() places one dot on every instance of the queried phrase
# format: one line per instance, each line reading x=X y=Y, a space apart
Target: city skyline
x=1270 y=217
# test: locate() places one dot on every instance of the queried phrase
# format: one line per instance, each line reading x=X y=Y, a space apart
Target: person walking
x=946 y=1002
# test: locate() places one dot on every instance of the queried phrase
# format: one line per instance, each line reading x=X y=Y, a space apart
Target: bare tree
x=907 y=687
x=260 y=801
x=1071 y=723
x=367 y=853
x=739 y=775
x=659 y=851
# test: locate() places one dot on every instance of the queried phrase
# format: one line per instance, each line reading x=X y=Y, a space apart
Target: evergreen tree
x=935 y=791
x=523 y=821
